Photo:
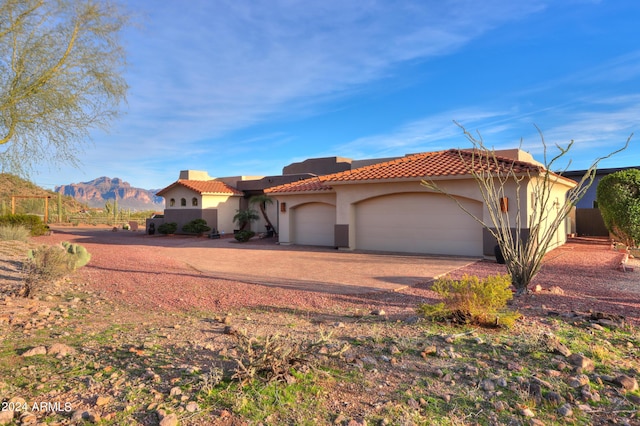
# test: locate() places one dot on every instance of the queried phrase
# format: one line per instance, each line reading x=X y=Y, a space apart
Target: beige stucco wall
x=285 y=219
x=225 y=204
x=557 y=188
x=260 y=225
x=347 y=196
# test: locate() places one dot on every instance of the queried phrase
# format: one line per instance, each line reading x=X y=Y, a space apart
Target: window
x=595 y=204
x=194 y=201
x=172 y=202
x=183 y=202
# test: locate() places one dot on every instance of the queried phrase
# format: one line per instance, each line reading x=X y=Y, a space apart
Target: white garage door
x=314 y=224
x=418 y=223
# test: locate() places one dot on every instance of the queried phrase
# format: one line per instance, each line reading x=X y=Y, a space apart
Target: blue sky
x=247 y=87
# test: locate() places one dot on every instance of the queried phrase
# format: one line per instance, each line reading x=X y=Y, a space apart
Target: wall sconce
x=504 y=204
x=283 y=207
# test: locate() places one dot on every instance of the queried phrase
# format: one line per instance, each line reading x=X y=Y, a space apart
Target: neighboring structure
x=588 y=220
x=383 y=207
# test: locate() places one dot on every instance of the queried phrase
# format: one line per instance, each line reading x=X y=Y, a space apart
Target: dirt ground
x=148 y=315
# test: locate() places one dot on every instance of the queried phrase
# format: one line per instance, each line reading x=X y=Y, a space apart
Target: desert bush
x=47 y=264
x=244 y=236
x=33 y=223
x=44 y=264
x=472 y=300
x=14 y=233
x=273 y=357
x=196 y=226
x=168 y=228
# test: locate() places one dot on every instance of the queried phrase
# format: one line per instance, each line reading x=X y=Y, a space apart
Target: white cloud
x=206 y=68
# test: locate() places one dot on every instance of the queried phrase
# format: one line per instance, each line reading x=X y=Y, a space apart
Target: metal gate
x=589 y=223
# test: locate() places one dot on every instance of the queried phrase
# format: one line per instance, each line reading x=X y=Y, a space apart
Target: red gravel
x=585 y=269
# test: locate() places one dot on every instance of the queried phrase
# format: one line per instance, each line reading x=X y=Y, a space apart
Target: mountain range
x=98 y=192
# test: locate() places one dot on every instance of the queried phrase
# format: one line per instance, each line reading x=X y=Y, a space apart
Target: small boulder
x=60 y=350
x=38 y=350
x=627 y=383
x=582 y=362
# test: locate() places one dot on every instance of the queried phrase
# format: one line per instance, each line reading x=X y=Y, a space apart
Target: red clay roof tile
x=313 y=184
x=203 y=187
x=452 y=162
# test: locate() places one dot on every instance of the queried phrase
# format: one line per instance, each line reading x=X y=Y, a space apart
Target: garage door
x=314 y=224
x=418 y=223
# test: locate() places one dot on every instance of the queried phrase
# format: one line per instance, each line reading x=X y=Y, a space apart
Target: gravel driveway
x=264 y=262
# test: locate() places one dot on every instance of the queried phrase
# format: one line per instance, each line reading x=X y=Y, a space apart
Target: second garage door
x=314 y=224
x=418 y=223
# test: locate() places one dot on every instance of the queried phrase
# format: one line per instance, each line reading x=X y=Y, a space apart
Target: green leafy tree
x=262 y=201
x=245 y=217
x=61 y=67
x=618 y=196
x=541 y=218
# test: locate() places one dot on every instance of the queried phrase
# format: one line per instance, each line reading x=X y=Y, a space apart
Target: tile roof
x=203 y=187
x=314 y=184
x=452 y=162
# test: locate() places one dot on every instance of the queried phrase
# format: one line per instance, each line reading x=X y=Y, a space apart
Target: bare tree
x=60 y=75
x=525 y=236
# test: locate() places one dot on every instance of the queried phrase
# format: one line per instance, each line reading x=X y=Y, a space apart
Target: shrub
x=472 y=300
x=48 y=264
x=244 y=236
x=168 y=228
x=44 y=265
x=272 y=358
x=196 y=226
x=33 y=223
x=618 y=196
x=14 y=233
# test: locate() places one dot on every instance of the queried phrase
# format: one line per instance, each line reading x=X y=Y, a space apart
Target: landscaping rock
x=488 y=385
x=169 y=420
x=628 y=384
x=103 y=400
x=565 y=410
x=60 y=350
x=554 y=398
x=581 y=362
x=6 y=417
x=38 y=350
x=578 y=381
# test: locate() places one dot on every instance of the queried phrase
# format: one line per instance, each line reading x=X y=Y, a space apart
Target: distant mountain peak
x=100 y=190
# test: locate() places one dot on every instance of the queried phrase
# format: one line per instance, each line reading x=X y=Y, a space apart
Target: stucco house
x=196 y=195
x=383 y=207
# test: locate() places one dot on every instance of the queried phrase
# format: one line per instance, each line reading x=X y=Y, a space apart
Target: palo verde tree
x=618 y=196
x=61 y=65
x=525 y=236
x=262 y=201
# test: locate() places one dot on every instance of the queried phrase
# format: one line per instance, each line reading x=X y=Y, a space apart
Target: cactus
x=77 y=254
